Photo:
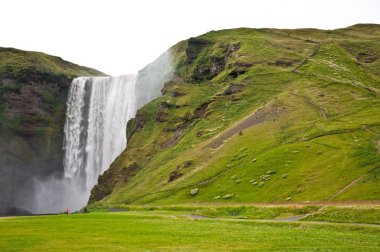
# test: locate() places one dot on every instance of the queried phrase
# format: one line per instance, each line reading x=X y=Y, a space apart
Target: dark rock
x=166 y=104
x=366 y=57
x=284 y=63
x=233 y=89
x=187 y=164
x=239 y=68
x=129 y=171
x=161 y=115
x=199 y=133
x=208 y=68
x=231 y=49
x=135 y=124
x=218 y=65
x=108 y=180
x=177 y=93
x=174 y=175
x=201 y=110
x=194 y=47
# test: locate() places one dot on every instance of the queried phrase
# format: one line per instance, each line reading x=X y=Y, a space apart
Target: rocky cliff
x=33 y=93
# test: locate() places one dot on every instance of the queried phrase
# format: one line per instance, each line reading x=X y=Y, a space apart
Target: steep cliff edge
x=257 y=115
x=33 y=94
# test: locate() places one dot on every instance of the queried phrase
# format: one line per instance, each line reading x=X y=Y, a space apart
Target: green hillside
x=258 y=115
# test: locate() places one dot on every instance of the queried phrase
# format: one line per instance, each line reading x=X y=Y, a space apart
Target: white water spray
x=98 y=109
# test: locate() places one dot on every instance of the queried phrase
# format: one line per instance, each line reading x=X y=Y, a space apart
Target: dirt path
x=297 y=219
x=292 y=218
x=348 y=186
x=323 y=223
x=259 y=116
x=315 y=51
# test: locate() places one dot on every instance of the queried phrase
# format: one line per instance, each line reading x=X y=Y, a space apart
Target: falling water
x=98 y=109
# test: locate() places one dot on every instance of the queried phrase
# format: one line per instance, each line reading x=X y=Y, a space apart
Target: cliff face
x=33 y=93
x=257 y=115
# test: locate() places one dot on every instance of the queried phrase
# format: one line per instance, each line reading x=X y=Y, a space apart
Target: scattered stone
x=238 y=181
x=240 y=133
x=261 y=184
x=270 y=172
x=228 y=196
x=254 y=160
x=264 y=177
x=217 y=197
x=284 y=176
x=252 y=180
x=288 y=199
x=233 y=177
x=194 y=191
x=243 y=149
x=254 y=183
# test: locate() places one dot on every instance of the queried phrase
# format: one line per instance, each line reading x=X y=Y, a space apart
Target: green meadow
x=163 y=230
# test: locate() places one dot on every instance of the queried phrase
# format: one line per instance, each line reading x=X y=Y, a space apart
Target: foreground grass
x=340 y=214
x=163 y=231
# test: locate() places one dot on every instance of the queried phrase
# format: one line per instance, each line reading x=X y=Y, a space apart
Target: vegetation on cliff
x=33 y=94
x=257 y=115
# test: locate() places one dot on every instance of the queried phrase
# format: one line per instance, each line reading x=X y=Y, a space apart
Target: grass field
x=176 y=231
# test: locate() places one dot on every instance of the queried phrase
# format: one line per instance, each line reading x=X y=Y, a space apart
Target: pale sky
x=118 y=37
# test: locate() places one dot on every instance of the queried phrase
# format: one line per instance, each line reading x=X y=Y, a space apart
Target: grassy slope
x=15 y=61
x=140 y=231
x=324 y=137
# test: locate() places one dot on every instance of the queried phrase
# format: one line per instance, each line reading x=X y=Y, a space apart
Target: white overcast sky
x=116 y=36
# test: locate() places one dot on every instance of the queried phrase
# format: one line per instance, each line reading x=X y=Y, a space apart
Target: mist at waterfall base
x=98 y=109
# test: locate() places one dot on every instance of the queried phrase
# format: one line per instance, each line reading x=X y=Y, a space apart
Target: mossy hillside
x=14 y=62
x=19 y=69
x=314 y=137
x=33 y=95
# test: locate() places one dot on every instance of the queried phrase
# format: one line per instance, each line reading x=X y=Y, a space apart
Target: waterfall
x=98 y=109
